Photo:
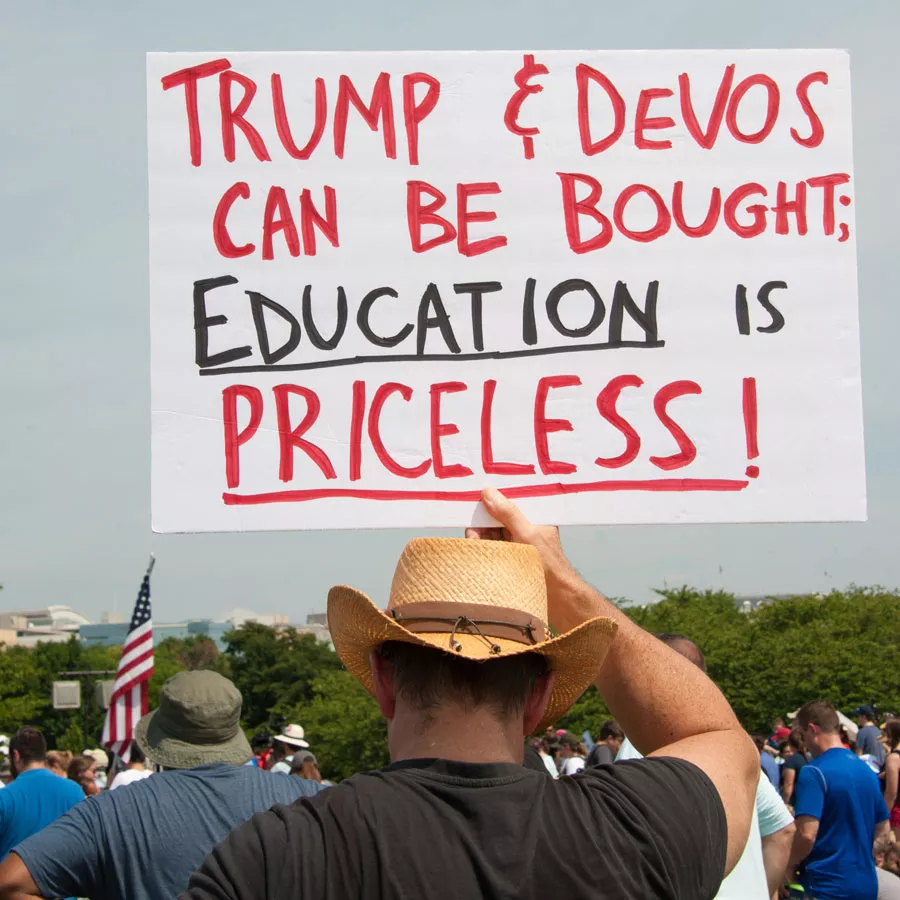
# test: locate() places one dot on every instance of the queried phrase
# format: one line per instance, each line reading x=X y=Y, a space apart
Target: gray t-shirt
x=601 y=755
x=143 y=842
x=867 y=742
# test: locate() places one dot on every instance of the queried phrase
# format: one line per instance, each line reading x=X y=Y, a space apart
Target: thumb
x=506 y=513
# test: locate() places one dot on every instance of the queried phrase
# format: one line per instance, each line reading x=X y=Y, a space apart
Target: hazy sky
x=74 y=343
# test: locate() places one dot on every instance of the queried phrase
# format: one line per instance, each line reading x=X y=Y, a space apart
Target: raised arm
x=664 y=703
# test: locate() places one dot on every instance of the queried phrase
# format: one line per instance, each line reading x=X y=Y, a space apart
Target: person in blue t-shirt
x=37 y=797
x=767 y=762
x=840 y=811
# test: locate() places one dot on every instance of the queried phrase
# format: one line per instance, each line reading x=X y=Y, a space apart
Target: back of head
x=305 y=766
x=820 y=713
x=137 y=755
x=684 y=646
x=610 y=729
x=892 y=733
x=429 y=679
x=59 y=760
x=572 y=742
x=30 y=745
x=79 y=765
x=795 y=742
x=197 y=723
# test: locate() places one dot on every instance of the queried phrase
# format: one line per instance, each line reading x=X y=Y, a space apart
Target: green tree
x=174 y=655
x=21 y=701
x=343 y=724
x=839 y=647
x=55 y=658
x=275 y=669
x=587 y=714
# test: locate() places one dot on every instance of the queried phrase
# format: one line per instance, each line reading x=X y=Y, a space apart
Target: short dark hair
x=137 y=755
x=610 y=729
x=427 y=678
x=759 y=740
x=30 y=744
x=820 y=713
x=685 y=646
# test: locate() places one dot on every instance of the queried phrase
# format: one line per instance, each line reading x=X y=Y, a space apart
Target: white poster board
x=619 y=285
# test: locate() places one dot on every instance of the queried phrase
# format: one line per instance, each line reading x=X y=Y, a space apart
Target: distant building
x=113 y=633
x=317 y=624
x=52 y=624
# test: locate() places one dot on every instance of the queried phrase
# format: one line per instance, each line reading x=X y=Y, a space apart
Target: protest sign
x=619 y=286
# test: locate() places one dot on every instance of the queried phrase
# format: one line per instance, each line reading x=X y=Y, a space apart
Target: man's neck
x=31 y=767
x=457 y=734
x=828 y=742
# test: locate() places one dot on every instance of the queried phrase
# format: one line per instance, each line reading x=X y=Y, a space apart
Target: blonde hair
x=59 y=760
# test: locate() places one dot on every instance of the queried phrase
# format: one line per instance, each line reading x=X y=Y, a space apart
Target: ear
x=385 y=692
x=537 y=702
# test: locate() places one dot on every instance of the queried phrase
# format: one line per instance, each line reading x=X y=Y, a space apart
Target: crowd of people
x=671 y=799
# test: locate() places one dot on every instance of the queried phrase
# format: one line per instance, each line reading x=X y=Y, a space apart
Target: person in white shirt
x=292 y=739
x=759 y=872
x=542 y=748
x=572 y=754
x=135 y=770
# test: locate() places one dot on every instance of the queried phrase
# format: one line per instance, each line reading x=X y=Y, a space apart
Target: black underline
x=432 y=357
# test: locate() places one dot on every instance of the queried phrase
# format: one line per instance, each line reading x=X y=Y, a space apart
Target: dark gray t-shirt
x=142 y=842
x=431 y=828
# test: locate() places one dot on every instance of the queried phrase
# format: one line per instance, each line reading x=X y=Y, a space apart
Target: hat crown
x=200 y=707
x=465 y=571
x=295 y=731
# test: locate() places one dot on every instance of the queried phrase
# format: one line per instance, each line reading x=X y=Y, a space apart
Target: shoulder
x=283 y=787
x=810 y=773
x=643 y=779
x=51 y=785
x=72 y=789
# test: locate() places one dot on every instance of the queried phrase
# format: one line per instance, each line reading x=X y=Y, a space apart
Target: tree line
x=841 y=646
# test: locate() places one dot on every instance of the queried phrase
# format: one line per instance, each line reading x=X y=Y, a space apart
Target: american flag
x=129 y=697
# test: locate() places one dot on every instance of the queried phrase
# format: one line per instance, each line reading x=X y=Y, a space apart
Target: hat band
x=470 y=618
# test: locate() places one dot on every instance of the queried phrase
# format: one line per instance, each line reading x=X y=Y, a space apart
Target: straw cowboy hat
x=477 y=599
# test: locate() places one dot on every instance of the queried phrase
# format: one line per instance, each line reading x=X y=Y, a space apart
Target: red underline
x=676 y=485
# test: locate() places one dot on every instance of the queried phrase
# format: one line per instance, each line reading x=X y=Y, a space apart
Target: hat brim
x=294 y=742
x=163 y=749
x=358 y=626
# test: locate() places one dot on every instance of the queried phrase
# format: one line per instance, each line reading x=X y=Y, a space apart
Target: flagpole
x=151 y=564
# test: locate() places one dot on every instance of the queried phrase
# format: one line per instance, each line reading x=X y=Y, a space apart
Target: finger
x=506 y=513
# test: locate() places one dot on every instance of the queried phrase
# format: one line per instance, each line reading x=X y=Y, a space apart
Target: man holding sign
x=463 y=666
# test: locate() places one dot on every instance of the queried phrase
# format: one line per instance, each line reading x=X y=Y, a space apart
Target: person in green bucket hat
x=198 y=723
x=142 y=842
